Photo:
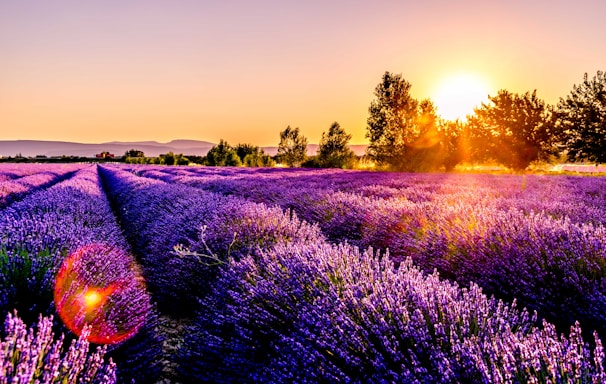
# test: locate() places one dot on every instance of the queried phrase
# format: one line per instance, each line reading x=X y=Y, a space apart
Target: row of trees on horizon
x=406 y=134
x=511 y=129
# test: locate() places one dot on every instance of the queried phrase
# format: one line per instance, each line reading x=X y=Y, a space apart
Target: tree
x=455 y=143
x=168 y=159
x=253 y=156
x=333 y=151
x=245 y=149
x=516 y=129
x=222 y=155
x=582 y=118
x=292 y=149
x=180 y=159
x=391 y=124
x=134 y=153
x=425 y=152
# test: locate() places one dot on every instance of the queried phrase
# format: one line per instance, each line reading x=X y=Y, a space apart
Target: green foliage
x=455 y=143
x=391 y=121
x=168 y=159
x=222 y=155
x=134 y=153
x=140 y=160
x=582 y=118
x=253 y=156
x=181 y=160
x=292 y=149
x=405 y=134
x=514 y=129
x=27 y=280
x=333 y=151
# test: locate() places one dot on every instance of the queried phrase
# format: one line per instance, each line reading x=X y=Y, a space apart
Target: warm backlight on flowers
x=101 y=286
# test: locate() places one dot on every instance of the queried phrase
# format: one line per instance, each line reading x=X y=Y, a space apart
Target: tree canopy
x=333 y=151
x=253 y=156
x=404 y=133
x=514 y=129
x=582 y=118
x=292 y=149
x=391 y=121
x=222 y=154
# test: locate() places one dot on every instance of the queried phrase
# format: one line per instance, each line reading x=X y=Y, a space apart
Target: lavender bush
x=34 y=355
x=160 y=216
x=536 y=239
x=322 y=313
x=39 y=232
x=271 y=263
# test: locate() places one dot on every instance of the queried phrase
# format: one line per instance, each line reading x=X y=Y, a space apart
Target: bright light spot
x=456 y=96
x=101 y=286
x=92 y=298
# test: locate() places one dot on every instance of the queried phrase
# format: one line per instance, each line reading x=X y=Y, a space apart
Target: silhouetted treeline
x=512 y=129
x=406 y=134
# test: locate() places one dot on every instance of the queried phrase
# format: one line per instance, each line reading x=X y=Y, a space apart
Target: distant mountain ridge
x=32 y=148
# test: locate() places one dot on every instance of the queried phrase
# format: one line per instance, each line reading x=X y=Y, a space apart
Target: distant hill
x=32 y=148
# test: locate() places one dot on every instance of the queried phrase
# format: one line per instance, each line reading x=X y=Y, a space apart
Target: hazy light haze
x=96 y=71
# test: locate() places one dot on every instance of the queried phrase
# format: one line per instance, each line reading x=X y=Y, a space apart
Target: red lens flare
x=101 y=286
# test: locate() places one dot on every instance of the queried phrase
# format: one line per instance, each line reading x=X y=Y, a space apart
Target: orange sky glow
x=101 y=71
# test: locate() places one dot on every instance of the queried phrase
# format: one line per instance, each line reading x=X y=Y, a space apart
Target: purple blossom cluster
x=35 y=355
x=39 y=232
x=537 y=239
x=326 y=313
x=160 y=216
x=17 y=182
x=275 y=273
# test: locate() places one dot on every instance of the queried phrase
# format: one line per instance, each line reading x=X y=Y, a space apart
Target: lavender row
x=17 y=182
x=10 y=171
x=312 y=312
x=578 y=198
x=539 y=240
x=39 y=232
x=159 y=217
x=325 y=313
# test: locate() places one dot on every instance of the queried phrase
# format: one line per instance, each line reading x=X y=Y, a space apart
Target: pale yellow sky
x=156 y=70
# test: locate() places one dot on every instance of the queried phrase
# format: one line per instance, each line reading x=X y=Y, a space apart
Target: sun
x=456 y=96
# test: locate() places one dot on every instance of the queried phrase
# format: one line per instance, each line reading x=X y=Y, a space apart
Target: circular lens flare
x=101 y=286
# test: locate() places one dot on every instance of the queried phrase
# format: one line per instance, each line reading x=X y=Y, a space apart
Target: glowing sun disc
x=456 y=96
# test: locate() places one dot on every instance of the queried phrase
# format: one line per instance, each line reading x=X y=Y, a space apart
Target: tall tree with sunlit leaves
x=515 y=129
x=455 y=138
x=333 y=151
x=582 y=117
x=292 y=149
x=391 y=123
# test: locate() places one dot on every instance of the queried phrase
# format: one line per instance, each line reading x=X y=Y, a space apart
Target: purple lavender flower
x=35 y=355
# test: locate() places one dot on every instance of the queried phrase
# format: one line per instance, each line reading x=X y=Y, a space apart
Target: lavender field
x=204 y=274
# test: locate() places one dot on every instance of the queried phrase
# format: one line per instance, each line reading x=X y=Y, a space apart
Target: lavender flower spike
x=33 y=355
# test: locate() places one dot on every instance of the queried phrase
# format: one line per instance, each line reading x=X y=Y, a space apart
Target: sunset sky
x=105 y=70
